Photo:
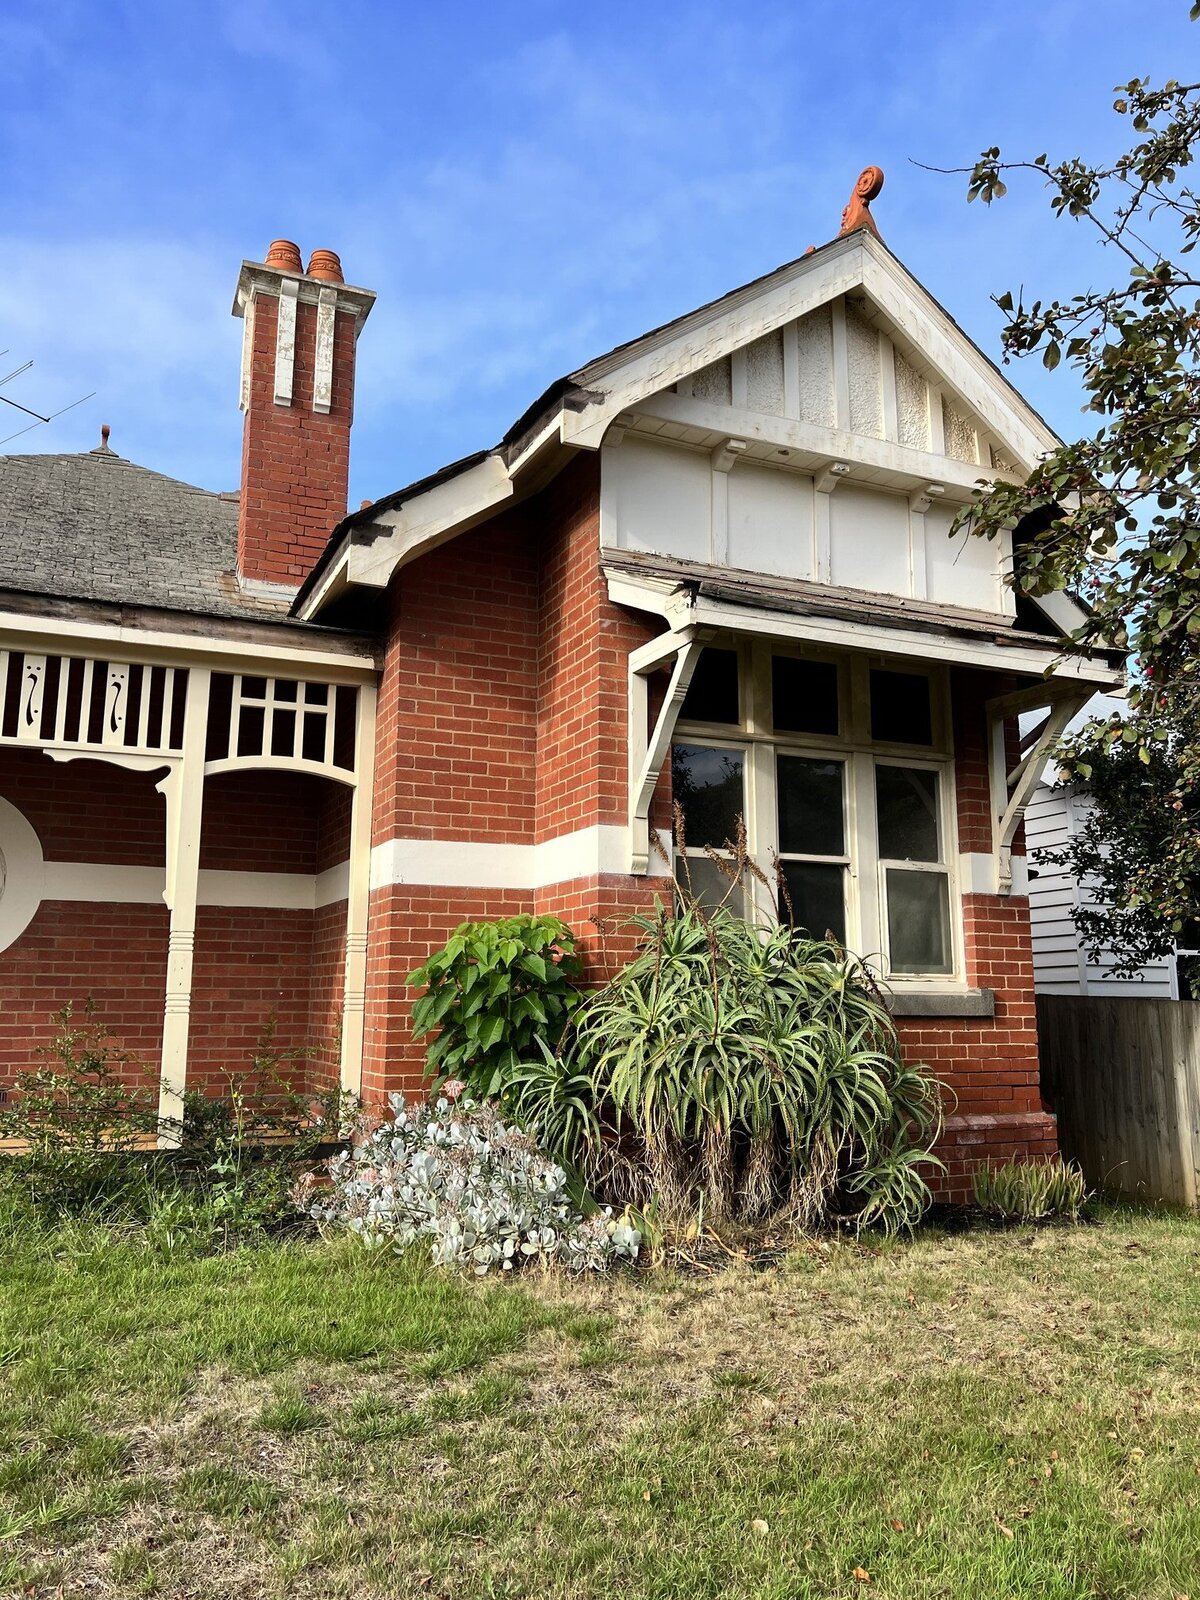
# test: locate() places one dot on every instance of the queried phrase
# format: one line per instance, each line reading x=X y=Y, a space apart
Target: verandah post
x=358 y=895
x=183 y=788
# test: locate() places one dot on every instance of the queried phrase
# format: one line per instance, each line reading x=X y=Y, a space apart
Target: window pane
x=810 y=807
x=900 y=709
x=804 y=695
x=706 y=883
x=907 y=808
x=712 y=695
x=708 y=785
x=818 y=896
x=918 y=915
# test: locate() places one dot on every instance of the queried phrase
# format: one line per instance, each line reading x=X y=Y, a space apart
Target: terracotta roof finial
x=858 y=213
x=105 y=430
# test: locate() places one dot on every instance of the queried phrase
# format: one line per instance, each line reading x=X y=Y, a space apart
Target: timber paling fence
x=1123 y=1077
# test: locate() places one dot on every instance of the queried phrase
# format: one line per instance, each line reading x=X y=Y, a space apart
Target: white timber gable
x=836 y=448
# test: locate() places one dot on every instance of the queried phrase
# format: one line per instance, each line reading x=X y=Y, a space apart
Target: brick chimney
x=298 y=395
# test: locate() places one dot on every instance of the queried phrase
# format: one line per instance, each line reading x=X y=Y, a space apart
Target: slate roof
x=96 y=527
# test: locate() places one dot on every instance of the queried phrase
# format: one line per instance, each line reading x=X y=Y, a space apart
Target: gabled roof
x=96 y=527
x=576 y=410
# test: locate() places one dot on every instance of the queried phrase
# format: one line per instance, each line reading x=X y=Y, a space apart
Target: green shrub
x=1022 y=1190
x=243 y=1150
x=86 y=1125
x=742 y=1070
x=493 y=991
x=79 y=1117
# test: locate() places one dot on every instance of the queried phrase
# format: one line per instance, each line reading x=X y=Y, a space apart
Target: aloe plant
x=753 y=1067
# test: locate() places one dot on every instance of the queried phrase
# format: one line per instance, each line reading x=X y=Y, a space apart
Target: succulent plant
x=478 y=1190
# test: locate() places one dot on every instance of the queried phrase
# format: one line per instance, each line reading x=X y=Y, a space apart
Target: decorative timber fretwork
x=281 y=722
x=78 y=704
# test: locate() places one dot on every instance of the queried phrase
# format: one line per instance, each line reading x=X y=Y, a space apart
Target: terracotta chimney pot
x=325 y=264
x=285 y=255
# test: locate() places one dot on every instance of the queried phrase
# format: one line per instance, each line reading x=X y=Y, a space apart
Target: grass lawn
x=979 y=1414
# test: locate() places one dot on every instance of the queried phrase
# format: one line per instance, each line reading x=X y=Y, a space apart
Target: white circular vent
x=20 y=874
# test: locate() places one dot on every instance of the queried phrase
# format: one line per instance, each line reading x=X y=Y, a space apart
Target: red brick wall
x=70 y=951
x=86 y=810
x=295 y=461
x=408 y=921
x=252 y=968
x=991 y=1065
x=326 y=986
x=457 y=736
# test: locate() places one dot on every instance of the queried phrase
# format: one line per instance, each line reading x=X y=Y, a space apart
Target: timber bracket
x=680 y=649
x=1012 y=789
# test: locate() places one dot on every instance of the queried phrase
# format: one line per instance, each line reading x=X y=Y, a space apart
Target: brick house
x=258 y=757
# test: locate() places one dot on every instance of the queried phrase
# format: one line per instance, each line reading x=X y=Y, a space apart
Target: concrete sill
x=941 y=1003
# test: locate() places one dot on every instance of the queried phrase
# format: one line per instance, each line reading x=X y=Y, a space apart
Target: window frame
x=944 y=866
x=760 y=746
x=739 y=745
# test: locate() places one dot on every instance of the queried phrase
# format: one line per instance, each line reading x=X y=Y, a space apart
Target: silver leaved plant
x=478 y=1191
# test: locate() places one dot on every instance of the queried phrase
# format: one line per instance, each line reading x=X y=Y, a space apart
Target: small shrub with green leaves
x=494 y=992
x=477 y=1191
x=78 y=1117
x=243 y=1150
x=1023 y=1190
x=85 y=1123
x=743 y=1071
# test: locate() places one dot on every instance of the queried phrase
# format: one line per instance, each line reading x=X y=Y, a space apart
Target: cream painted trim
x=429 y=519
x=247 y=357
x=681 y=609
x=263 y=589
x=285 y=341
x=257 y=278
x=100 y=883
x=660 y=360
x=630 y=377
x=977 y=873
x=71 y=637
x=866 y=461
x=323 y=372
x=472 y=864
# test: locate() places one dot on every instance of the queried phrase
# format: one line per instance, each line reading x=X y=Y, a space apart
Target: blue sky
x=524 y=185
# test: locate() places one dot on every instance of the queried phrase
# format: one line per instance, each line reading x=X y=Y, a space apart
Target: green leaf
x=490 y=1032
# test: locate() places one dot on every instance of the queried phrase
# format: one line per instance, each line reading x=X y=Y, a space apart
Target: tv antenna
x=38 y=419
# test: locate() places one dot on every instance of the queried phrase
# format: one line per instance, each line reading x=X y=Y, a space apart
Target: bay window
x=841 y=769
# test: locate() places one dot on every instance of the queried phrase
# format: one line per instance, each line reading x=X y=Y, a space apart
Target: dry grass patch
x=991 y=1414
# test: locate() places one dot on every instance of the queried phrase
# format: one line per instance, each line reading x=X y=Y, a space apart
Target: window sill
x=942 y=1003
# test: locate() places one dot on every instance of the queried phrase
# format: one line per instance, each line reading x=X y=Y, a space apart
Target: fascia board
x=1062 y=609
x=859 y=636
x=861 y=262
x=428 y=520
x=740 y=321
x=683 y=610
x=54 y=635
x=332 y=583
x=963 y=368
